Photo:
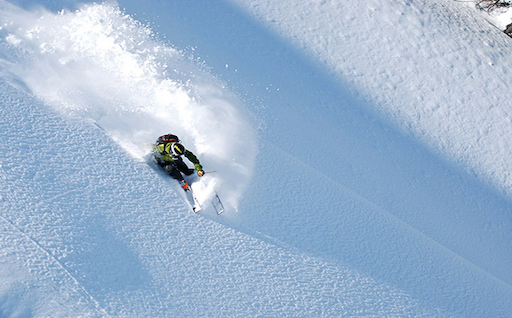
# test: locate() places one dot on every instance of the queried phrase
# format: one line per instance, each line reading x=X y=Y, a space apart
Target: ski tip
x=217 y=204
x=219 y=210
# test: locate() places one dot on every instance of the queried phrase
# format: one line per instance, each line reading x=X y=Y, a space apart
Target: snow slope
x=359 y=184
x=443 y=78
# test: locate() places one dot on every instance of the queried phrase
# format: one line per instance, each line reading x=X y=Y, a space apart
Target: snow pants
x=175 y=168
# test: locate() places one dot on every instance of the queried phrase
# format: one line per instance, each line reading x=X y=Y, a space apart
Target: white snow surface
x=362 y=150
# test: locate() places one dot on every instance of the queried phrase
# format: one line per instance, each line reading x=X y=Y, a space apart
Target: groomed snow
x=361 y=149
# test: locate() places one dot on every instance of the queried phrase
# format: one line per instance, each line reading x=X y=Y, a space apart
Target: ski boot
x=184 y=185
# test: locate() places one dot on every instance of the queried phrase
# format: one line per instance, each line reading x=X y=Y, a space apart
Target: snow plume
x=100 y=65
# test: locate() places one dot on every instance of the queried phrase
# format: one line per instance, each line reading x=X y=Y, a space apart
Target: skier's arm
x=190 y=156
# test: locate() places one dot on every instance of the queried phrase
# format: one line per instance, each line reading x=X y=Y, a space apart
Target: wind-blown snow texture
x=362 y=151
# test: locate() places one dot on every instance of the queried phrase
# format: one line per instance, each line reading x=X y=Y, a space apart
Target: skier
x=168 y=152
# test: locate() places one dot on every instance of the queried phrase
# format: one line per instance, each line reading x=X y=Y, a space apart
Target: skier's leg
x=184 y=168
x=173 y=171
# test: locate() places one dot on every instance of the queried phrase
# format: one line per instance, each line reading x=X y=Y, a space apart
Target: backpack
x=163 y=140
x=167 y=138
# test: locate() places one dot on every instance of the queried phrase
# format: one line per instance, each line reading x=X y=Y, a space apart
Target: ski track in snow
x=76 y=298
x=88 y=228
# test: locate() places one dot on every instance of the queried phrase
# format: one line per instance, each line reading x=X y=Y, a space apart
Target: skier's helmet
x=177 y=149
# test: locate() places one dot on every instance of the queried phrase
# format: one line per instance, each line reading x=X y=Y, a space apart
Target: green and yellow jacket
x=163 y=154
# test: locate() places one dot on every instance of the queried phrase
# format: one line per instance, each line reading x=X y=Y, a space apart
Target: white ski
x=192 y=200
x=217 y=204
